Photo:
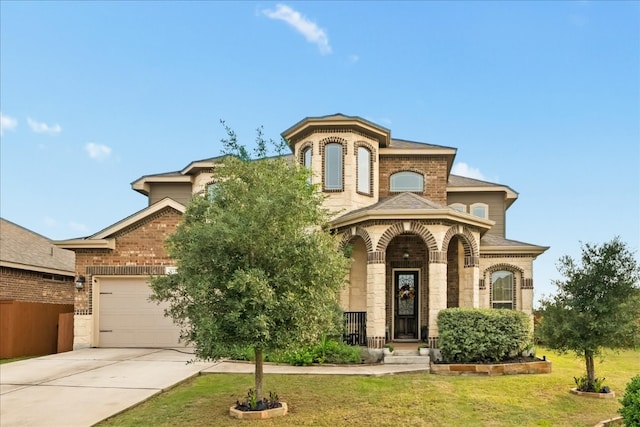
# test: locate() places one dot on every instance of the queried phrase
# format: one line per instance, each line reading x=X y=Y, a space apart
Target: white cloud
x=464 y=169
x=97 y=151
x=7 y=123
x=41 y=127
x=304 y=26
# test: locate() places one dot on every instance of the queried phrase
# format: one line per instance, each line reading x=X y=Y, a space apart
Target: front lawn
x=408 y=399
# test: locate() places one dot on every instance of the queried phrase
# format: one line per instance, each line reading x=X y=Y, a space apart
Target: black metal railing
x=355 y=327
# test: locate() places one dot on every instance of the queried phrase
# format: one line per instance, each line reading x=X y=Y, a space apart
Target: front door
x=406 y=305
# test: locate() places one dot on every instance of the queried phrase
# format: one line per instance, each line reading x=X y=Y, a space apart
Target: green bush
x=482 y=335
x=630 y=410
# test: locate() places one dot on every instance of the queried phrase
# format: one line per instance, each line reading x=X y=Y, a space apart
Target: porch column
x=376 y=300
x=469 y=286
x=437 y=289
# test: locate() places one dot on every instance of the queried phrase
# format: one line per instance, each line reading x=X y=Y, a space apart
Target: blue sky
x=541 y=96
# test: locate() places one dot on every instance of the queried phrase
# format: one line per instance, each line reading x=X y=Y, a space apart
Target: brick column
x=376 y=300
x=437 y=288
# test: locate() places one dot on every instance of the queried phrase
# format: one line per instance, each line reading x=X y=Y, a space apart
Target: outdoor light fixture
x=405 y=255
x=80 y=282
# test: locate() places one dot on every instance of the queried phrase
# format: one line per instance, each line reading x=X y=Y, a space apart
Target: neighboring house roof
x=104 y=239
x=464 y=184
x=23 y=249
x=496 y=244
x=409 y=206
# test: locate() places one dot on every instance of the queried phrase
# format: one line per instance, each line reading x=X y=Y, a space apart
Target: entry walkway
x=84 y=387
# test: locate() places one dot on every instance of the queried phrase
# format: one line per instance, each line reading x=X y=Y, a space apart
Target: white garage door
x=128 y=319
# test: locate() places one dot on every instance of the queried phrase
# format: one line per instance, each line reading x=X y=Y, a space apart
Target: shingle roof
x=32 y=251
x=497 y=241
x=403 y=143
x=463 y=181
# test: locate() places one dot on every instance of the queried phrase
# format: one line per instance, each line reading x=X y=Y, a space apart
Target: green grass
x=416 y=399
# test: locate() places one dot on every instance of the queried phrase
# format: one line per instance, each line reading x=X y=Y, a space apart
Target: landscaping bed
x=523 y=365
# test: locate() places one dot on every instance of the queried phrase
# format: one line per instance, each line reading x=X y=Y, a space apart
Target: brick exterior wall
x=434 y=169
x=142 y=244
x=32 y=286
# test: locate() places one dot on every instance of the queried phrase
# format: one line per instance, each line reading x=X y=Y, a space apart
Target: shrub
x=482 y=335
x=630 y=410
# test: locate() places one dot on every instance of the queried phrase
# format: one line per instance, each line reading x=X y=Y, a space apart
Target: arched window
x=502 y=289
x=333 y=166
x=481 y=210
x=364 y=171
x=407 y=181
x=459 y=207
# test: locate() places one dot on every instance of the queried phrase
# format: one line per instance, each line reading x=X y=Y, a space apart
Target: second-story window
x=364 y=170
x=306 y=157
x=481 y=210
x=407 y=181
x=333 y=166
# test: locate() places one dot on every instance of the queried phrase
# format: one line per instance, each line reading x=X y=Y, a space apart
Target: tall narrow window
x=407 y=181
x=502 y=283
x=306 y=157
x=364 y=170
x=333 y=166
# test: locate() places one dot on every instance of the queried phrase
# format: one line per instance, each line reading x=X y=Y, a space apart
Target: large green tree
x=597 y=305
x=256 y=262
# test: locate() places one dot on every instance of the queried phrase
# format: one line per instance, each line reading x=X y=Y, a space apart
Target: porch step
x=406 y=357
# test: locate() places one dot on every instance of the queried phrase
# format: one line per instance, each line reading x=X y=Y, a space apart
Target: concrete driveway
x=83 y=387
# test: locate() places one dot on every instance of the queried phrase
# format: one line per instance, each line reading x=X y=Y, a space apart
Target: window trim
x=323 y=152
x=413 y=173
x=454 y=206
x=479 y=205
x=369 y=178
x=512 y=301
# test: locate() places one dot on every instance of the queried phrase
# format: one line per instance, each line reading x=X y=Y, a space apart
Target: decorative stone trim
x=349 y=234
x=471 y=261
x=375 y=342
x=415 y=227
x=127 y=270
x=303 y=148
x=368 y=146
x=407 y=264
x=323 y=144
x=527 y=283
x=437 y=257
x=376 y=257
x=482 y=284
x=433 y=342
x=341 y=129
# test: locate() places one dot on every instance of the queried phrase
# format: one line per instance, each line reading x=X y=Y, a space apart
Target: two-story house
x=421 y=239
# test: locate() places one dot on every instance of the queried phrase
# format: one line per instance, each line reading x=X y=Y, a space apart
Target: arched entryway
x=407 y=258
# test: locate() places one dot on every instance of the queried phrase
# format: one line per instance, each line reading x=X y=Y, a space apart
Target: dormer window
x=333 y=169
x=407 y=181
x=481 y=210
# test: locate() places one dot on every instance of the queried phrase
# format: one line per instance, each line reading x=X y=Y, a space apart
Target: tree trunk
x=591 y=373
x=258 y=373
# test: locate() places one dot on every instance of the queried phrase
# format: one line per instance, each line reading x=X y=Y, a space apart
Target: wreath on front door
x=406 y=292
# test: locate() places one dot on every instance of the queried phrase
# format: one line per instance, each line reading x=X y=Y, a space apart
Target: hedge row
x=482 y=335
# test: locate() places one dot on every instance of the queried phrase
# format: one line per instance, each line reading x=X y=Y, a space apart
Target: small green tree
x=597 y=305
x=256 y=264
